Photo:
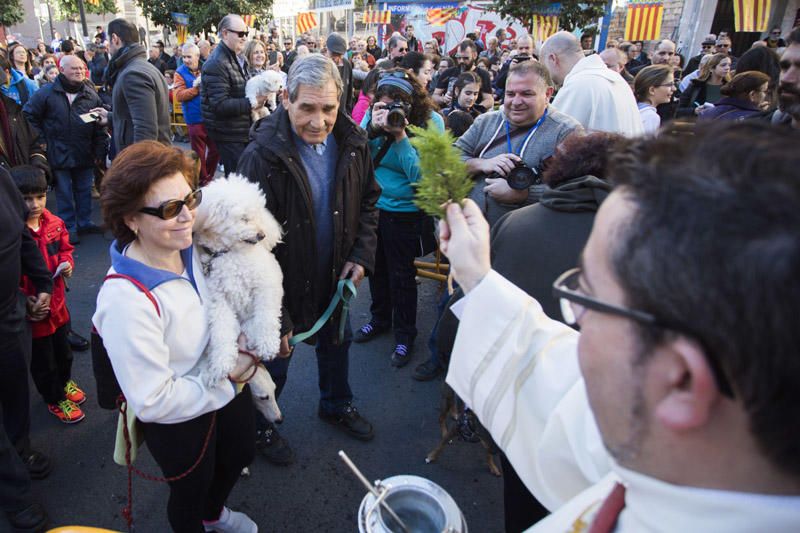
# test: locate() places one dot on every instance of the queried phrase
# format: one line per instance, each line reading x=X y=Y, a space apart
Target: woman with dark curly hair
x=399 y=101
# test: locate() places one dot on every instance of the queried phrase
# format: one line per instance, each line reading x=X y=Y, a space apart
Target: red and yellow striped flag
x=249 y=20
x=377 y=17
x=751 y=15
x=440 y=16
x=643 y=22
x=306 y=22
x=544 y=26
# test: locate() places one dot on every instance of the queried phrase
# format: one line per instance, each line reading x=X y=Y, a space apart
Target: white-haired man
x=594 y=95
x=314 y=166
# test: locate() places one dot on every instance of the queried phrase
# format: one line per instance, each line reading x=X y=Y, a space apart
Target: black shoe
x=31 y=519
x=427 y=371
x=368 y=332
x=401 y=355
x=91 y=228
x=37 y=463
x=74 y=238
x=273 y=447
x=349 y=421
x=78 y=343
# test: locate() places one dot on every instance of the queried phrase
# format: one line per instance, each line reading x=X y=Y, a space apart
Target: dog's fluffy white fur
x=234 y=234
x=267 y=83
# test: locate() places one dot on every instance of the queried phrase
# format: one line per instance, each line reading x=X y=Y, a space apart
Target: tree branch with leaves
x=574 y=14
x=203 y=14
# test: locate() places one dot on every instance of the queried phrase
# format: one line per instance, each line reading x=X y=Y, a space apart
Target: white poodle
x=268 y=84
x=235 y=234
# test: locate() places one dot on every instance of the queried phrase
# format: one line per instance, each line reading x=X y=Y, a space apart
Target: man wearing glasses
x=397 y=48
x=673 y=403
x=466 y=57
x=723 y=46
x=226 y=109
x=774 y=40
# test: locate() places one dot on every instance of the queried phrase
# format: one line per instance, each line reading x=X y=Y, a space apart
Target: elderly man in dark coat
x=314 y=166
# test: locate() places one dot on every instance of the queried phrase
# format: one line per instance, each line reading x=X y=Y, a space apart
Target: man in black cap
x=707 y=47
x=336 y=48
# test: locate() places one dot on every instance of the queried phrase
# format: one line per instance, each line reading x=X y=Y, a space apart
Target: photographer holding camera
x=504 y=149
x=404 y=232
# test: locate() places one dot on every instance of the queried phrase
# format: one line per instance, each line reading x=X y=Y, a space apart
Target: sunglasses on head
x=172 y=208
x=241 y=34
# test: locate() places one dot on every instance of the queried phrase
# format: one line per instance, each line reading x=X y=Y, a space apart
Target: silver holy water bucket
x=421 y=504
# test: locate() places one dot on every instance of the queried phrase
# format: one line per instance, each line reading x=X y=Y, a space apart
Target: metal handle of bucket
x=384 y=491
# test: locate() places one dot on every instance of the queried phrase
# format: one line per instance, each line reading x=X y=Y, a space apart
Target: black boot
x=31 y=519
x=273 y=447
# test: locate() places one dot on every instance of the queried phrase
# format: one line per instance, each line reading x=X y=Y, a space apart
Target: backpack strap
x=139 y=285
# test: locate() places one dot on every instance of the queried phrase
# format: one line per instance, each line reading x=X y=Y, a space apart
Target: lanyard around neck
x=530 y=134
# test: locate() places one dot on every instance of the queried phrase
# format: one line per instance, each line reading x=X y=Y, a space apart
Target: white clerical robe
x=518 y=370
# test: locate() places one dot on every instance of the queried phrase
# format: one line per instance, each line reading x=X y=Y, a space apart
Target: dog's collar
x=214 y=254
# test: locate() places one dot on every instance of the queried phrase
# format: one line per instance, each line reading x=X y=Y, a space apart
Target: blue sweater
x=398 y=169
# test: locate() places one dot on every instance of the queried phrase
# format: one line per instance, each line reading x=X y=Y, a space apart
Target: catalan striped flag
x=306 y=22
x=751 y=15
x=440 y=16
x=643 y=22
x=544 y=26
x=249 y=20
x=377 y=17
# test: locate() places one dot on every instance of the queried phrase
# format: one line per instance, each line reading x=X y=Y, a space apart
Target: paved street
x=317 y=493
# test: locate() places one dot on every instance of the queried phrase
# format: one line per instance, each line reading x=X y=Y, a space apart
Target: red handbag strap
x=139 y=285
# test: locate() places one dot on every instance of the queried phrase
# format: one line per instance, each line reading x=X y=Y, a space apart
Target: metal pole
x=83 y=22
x=50 y=20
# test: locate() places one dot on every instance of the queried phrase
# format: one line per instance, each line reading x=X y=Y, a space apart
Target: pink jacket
x=361 y=107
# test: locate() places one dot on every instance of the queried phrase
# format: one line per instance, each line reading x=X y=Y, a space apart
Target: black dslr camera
x=398 y=111
x=521 y=176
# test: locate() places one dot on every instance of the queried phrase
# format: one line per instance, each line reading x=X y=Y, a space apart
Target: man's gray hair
x=313 y=70
x=531 y=67
x=395 y=40
x=227 y=22
x=190 y=48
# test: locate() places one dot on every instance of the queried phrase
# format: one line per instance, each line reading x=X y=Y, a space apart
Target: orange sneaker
x=74 y=393
x=66 y=411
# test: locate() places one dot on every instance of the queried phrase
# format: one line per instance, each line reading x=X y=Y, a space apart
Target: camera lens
x=521 y=177
x=396 y=118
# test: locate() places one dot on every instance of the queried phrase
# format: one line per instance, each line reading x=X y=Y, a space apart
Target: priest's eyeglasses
x=574 y=303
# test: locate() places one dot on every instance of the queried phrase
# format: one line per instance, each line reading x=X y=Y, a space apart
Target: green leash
x=345 y=291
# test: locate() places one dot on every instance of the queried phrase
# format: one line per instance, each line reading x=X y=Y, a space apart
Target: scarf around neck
x=71 y=87
x=120 y=58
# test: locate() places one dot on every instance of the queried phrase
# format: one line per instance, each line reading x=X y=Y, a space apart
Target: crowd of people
x=538 y=125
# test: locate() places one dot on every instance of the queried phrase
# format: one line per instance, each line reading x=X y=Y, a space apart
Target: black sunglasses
x=172 y=208
x=241 y=34
x=570 y=298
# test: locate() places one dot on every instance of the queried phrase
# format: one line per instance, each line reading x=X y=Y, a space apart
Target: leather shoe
x=349 y=421
x=74 y=238
x=37 y=463
x=427 y=371
x=78 y=343
x=273 y=447
x=31 y=519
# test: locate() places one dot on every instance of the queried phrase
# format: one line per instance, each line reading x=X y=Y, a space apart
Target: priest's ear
x=686 y=384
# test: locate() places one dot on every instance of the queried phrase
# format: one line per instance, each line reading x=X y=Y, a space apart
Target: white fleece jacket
x=153 y=356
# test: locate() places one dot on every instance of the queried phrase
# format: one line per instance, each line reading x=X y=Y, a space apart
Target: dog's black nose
x=260 y=236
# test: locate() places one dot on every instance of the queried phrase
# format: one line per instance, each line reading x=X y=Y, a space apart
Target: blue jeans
x=74 y=196
x=333 y=363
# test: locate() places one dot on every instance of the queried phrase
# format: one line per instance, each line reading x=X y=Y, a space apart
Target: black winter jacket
x=26 y=143
x=71 y=143
x=226 y=110
x=272 y=161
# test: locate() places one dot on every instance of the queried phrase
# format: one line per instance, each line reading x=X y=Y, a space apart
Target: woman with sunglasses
x=149 y=203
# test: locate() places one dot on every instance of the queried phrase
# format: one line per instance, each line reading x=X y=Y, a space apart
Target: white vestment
x=599 y=98
x=518 y=370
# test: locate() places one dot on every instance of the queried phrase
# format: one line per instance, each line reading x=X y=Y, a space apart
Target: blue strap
x=345 y=291
x=528 y=136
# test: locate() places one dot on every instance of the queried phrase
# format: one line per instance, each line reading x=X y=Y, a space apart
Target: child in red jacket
x=51 y=361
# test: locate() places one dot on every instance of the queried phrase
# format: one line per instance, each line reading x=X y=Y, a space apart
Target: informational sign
x=330 y=5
